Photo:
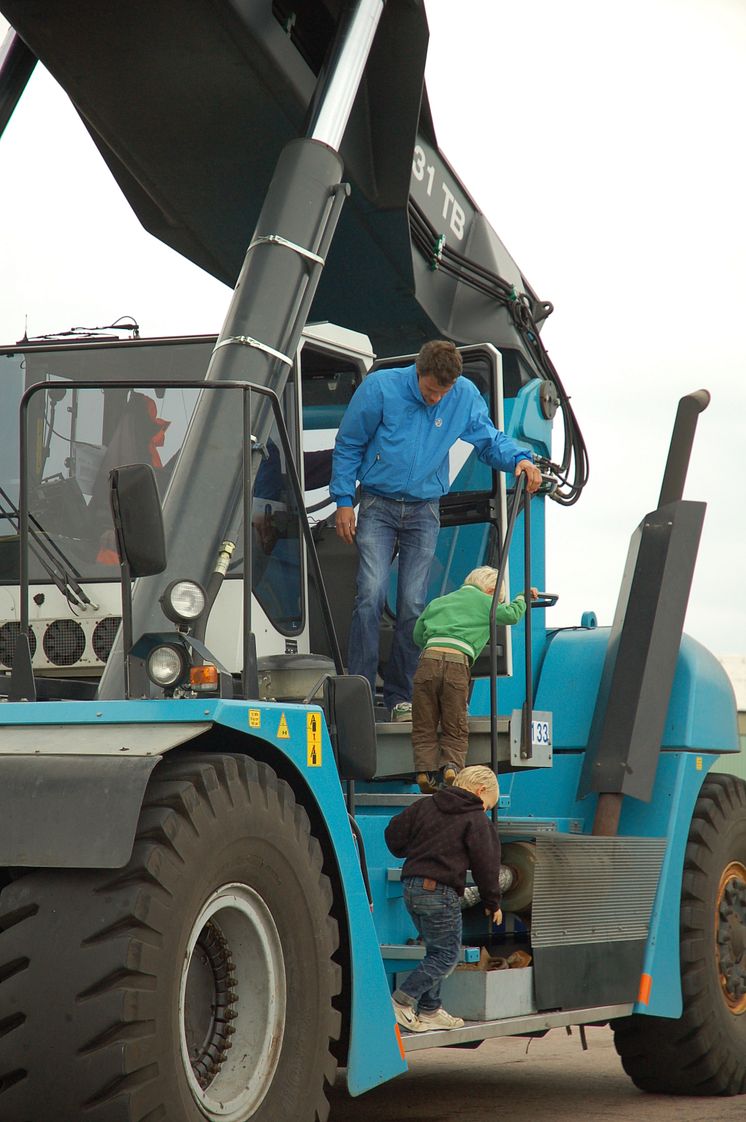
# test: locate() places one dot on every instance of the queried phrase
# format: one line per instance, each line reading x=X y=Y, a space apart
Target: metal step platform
x=511 y=1026
x=394 y=757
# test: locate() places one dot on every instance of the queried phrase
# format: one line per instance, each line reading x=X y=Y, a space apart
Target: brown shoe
x=426 y=782
x=450 y=771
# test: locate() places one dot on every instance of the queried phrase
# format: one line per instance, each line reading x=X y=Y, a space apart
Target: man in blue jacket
x=394 y=440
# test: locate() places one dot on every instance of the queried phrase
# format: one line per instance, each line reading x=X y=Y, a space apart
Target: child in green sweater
x=452 y=631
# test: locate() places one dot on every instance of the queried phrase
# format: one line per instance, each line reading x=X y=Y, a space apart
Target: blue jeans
x=381 y=524
x=437 y=917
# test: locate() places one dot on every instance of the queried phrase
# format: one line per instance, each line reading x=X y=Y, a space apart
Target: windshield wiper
x=63 y=575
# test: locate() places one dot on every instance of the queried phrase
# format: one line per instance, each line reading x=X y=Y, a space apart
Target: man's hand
x=532 y=473
x=497 y=917
x=345 y=523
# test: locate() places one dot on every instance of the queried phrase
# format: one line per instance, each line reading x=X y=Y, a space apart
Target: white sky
x=605 y=144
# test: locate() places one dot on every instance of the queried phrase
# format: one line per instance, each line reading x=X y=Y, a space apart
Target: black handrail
x=517 y=496
x=526 y=745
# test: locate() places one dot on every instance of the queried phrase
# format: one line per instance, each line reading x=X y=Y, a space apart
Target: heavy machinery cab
x=77 y=434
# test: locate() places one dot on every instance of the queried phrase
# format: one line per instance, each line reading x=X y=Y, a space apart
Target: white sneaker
x=440 y=1019
x=406 y=1017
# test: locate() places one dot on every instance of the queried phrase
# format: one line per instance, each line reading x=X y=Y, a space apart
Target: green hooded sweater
x=461 y=620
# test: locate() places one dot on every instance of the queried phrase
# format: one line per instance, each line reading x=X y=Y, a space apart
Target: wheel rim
x=232 y=1004
x=730 y=935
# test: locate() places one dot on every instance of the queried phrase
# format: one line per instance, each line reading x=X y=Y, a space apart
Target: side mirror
x=138 y=522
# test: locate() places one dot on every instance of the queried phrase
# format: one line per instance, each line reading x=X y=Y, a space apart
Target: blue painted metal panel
x=549 y=793
x=527 y=421
x=570 y=676
x=677 y=786
x=701 y=715
x=392 y=921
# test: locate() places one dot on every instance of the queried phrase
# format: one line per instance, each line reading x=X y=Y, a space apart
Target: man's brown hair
x=440 y=360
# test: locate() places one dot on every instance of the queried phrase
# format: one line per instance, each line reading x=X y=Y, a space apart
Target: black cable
x=573 y=472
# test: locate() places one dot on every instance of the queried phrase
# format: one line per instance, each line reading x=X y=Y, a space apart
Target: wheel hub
x=210 y=1004
x=232 y=1004
x=730 y=933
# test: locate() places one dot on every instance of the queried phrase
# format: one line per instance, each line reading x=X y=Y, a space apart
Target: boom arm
x=190 y=104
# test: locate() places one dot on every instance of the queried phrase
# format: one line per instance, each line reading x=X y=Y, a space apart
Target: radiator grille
x=591 y=890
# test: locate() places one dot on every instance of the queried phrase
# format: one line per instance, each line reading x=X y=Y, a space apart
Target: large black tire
x=109 y=978
x=704 y=1052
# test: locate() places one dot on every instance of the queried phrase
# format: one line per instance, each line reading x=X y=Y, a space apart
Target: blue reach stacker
x=199 y=918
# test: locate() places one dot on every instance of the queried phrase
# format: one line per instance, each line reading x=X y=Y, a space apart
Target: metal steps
x=395 y=745
x=512 y=1026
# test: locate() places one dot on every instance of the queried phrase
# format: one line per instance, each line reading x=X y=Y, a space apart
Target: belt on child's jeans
x=446 y=656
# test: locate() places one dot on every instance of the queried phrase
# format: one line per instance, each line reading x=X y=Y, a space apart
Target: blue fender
x=105 y=730
x=701 y=724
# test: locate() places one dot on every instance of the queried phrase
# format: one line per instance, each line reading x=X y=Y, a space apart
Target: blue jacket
x=396 y=445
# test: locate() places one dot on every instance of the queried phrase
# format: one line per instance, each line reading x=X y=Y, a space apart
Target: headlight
x=166 y=665
x=183 y=601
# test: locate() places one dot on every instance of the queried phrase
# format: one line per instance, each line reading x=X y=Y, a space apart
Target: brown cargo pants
x=440 y=697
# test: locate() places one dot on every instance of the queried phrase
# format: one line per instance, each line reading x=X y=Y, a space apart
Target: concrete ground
x=550 y=1079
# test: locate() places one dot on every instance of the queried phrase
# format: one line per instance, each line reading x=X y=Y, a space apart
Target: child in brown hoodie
x=441 y=837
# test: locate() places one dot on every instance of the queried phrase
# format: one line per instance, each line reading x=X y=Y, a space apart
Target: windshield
x=77 y=435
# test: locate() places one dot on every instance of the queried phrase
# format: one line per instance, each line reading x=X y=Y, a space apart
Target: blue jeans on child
x=381 y=524
x=437 y=917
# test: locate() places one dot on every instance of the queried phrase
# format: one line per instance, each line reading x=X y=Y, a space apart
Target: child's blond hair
x=485 y=577
x=472 y=778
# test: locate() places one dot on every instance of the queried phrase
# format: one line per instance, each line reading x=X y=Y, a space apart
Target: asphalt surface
x=549 y=1079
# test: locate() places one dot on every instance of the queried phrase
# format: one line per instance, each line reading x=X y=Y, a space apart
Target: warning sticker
x=313 y=739
x=255 y=718
x=283 y=732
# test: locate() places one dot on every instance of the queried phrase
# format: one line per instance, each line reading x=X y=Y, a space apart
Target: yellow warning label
x=255 y=718
x=698 y=763
x=283 y=732
x=313 y=739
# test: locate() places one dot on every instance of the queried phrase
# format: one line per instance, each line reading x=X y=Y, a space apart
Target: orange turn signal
x=204 y=677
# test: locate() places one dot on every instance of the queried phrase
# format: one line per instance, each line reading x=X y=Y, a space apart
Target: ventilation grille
x=594 y=889
x=9 y=633
x=62 y=643
x=103 y=637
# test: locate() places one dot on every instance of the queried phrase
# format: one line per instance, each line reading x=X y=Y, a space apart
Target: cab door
x=473 y=515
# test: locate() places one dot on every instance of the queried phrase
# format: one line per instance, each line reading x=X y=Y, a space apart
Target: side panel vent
x=62 y=643
x=593 y=898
